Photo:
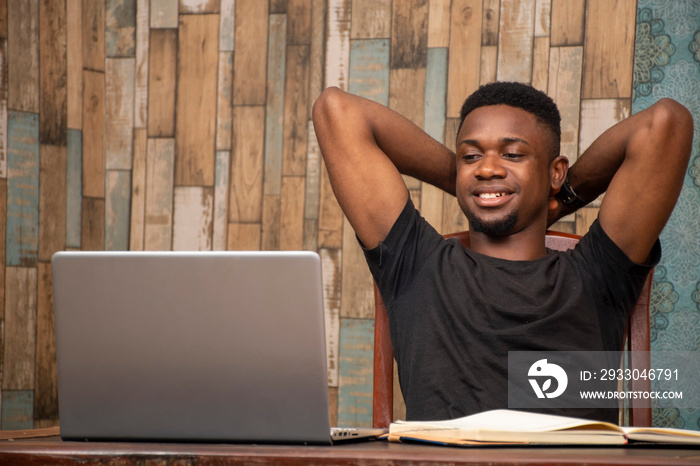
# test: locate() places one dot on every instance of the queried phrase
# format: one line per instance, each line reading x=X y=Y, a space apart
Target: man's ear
x=558 y=168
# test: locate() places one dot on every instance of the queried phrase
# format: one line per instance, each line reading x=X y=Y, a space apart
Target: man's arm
x=640 y=164
x=366 y=147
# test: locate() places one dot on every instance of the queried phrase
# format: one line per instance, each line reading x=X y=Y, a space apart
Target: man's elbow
x=670 y=115
x=326 y=106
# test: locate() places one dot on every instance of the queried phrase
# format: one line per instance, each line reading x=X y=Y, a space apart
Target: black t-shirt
x=454 y=314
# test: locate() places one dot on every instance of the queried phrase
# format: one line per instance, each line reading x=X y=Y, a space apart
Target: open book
x=505 y=426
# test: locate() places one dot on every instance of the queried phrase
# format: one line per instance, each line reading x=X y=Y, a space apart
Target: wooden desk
x=54 y=451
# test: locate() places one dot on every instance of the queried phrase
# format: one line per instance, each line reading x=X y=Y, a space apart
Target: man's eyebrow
x=507 y=140
x=511 y=140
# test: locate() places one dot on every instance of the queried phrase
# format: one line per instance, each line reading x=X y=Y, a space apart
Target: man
x=455 y=313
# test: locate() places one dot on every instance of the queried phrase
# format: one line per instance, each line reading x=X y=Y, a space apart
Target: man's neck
x=522 y=246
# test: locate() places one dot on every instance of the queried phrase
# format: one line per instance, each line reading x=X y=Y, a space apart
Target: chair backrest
x=383 y=391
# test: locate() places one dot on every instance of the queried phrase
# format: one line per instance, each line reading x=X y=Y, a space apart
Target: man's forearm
x=592 y=174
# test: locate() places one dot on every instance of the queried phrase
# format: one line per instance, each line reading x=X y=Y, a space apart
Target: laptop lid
x=191 y=346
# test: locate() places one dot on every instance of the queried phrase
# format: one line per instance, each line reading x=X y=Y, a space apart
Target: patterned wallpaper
x=667 y=64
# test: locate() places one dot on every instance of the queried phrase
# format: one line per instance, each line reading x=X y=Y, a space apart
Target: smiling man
x=454 y=313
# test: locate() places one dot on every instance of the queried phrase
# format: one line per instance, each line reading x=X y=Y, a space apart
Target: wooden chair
x=383 y=391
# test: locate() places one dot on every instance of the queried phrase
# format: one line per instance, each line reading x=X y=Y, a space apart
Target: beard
x=498 y=228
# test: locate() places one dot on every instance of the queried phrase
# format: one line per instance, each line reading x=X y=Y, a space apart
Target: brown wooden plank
x=278 y=6
x=371 y=19
x=92 y=219
x=23 y=55
x=565 y=88
x=52 y=200
x=299 y=22
x=20 y=328
x=465 y=36
x=292 y=213
x=453 y=219
x=199 y=6
x=45 y=378
x=245 y=199
x=119 y=112
x=491 y=15
x=93 y=133
x=3 y=19
x=138 y=191
x=358 y=291
x=431 y=205
x=161 y=82
x=584 y=219
x=406 y=93
x=489 y=64
x=331 y=268
x=250 y=58
x=409 y=34
x=93 y=32
x=295 y=110
x=333 y=404
x=609 y=51
x=330 y=217
x=543 y=18
x=567 y=22
x=271 y=222
x=317 y=57
x=53 y=73
x=224 y=101
x=243 y=236
x=195 y=127
x=141 y=84
x=540 y=63
x=74 y=63
x=515 y=40
x=158 y=226
x=439 y=23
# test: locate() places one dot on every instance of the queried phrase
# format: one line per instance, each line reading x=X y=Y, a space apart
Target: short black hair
x=518 y=95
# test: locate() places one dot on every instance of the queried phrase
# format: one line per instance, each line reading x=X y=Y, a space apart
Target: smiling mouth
x=491 y=195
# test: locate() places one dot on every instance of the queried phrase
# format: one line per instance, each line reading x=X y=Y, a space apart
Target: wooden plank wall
x=185 y=125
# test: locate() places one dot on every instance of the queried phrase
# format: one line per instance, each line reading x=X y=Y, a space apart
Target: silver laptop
x=192 y=346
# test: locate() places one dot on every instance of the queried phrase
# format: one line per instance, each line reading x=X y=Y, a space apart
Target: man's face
x=503 y=179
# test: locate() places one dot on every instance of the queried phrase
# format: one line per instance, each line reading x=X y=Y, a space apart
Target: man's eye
x=470 y=157
x=512 y=156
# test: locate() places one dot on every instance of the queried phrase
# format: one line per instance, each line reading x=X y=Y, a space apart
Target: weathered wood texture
x=185 y=124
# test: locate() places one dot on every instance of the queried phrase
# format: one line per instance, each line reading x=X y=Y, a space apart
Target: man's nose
x=490 y=166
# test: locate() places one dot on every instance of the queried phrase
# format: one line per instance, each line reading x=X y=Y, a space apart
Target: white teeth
x=491 y=195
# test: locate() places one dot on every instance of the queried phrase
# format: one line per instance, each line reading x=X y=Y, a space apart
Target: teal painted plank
x=274 y=115
x=120 y=28
x=369 y=69
x=74 y=187
x=436 y=93
x=17 y=409
x=355 y=367
x=22 y=240
x=117 y=202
